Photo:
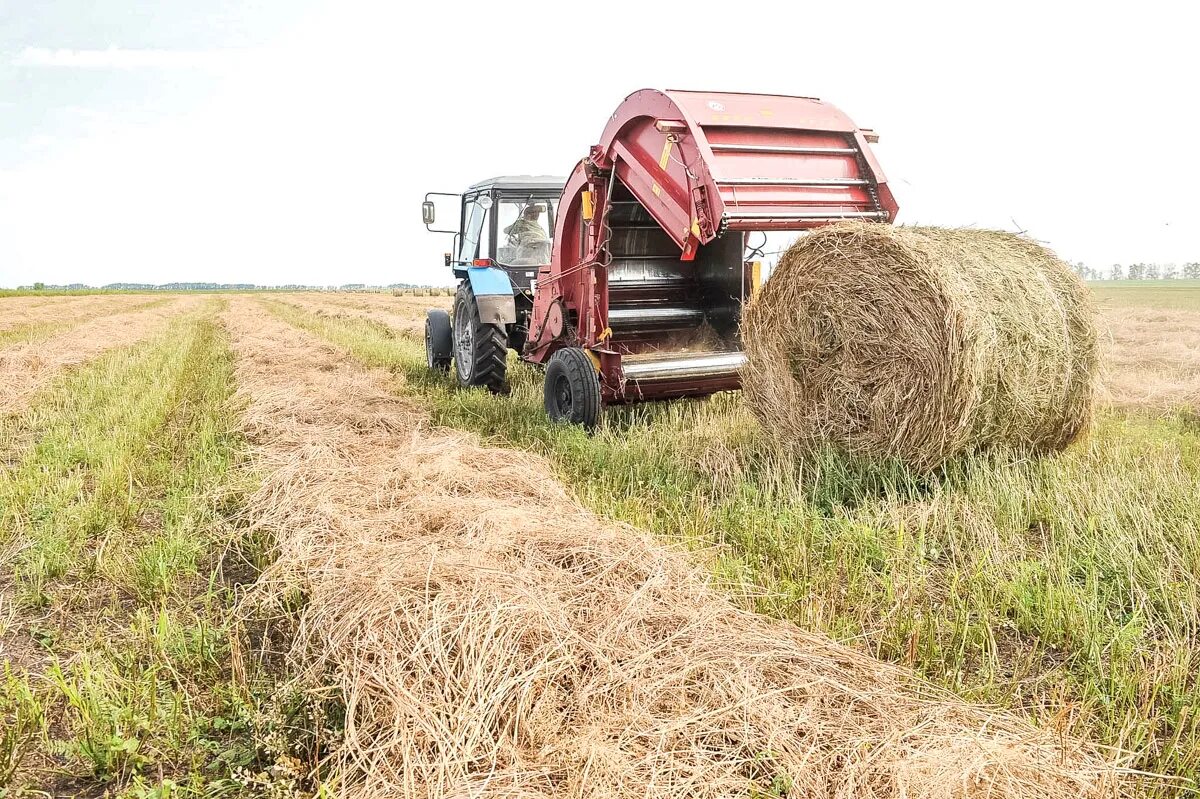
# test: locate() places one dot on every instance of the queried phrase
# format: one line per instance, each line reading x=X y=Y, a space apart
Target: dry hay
x=26 y=367
x=921 y=344
x=407 y=319
x=17 y=312
x=491 y=638
x=1151 y=358
x=442 y=298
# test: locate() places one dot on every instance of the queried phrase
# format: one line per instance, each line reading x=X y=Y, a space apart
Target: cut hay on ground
x=1151 y=358
x=921 y=344
x=405 y=318
x=493 y=639
x=442 y=298
x=26 y=367
x=18 y=312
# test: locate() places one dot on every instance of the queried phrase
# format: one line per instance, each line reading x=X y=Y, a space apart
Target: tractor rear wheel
x=572 y=389
x=480 y=350
x=439 y=340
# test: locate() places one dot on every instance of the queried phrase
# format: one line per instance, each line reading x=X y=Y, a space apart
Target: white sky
x=292 y=142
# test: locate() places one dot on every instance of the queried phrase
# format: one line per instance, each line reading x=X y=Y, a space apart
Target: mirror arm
x=429 y=218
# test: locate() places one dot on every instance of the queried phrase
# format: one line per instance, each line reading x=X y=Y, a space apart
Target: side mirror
x=427 y=212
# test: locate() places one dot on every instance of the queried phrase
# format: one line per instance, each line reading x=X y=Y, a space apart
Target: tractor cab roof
x=521 y=183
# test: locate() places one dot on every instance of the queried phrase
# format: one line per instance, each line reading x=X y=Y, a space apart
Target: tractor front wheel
x=572 y=390
x=480 y=349
x=439 y=340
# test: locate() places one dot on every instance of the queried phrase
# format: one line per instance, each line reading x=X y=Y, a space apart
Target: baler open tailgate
x=706 y=162
x=788 y=179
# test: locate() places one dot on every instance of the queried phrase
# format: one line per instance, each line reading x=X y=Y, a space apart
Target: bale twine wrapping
x=921 y=343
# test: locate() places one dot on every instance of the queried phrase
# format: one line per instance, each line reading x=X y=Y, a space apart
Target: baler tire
x=572 y=388
x=486 y=364
x=439 y=341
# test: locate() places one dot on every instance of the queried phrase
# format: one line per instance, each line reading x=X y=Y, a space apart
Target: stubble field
x=191 y=485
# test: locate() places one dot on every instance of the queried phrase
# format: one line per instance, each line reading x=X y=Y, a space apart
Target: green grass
x=1067 y=587
x=114 y=509
x=1181 y=295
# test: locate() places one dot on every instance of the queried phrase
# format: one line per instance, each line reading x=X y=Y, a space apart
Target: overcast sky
x=292 y=141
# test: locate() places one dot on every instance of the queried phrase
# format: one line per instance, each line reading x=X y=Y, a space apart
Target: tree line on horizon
x=1139 y=271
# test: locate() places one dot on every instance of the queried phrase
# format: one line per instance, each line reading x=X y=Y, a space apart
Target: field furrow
x=265 y=551
x=1153 y=358
x=26 y=367
x=404 y=315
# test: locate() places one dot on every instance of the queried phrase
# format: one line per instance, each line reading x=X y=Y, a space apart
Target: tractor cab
x=505 y=223
x=505 y=232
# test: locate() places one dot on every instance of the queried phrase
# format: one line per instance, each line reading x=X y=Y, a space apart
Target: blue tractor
x=504 y=234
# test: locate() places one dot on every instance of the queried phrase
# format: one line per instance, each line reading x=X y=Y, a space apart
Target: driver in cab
x=529 y=237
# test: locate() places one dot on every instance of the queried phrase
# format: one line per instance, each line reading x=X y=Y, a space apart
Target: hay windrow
x=921 y=344
x=493 y=639
x=25 y=368
x=1152 y=358
x=404 y=318
x=16 y=312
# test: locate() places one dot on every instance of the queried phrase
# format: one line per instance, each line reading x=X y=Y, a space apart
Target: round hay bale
x=921 y=344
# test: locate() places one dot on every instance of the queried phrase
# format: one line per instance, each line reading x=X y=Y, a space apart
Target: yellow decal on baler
x=666 y=153
x=696 y=228
x=662 y=162
x=589 y=207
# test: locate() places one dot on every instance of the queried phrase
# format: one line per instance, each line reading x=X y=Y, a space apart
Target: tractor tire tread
x=439 y=345
x=489 y=367
x=491 y=358
x=581 y=373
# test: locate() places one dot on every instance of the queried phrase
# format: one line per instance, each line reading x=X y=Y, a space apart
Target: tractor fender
x=493 y=295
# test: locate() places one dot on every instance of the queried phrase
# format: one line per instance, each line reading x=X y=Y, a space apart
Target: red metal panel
x=745 y=162
x=761 y=111
x=563 y=281
x=629 y=391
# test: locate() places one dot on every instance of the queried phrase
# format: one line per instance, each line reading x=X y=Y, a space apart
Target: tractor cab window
x=475 y=227
x=524 y=229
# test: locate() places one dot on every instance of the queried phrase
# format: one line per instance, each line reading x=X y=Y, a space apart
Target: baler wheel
x=572 y=389
x=439 y=340
x=480 y=350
